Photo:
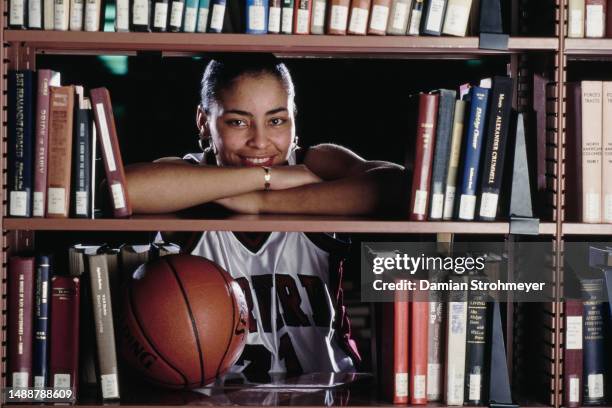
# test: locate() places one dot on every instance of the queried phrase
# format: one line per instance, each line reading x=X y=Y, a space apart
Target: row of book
x=56 y=154
x=587 y=324
x=588 y=164
x=338 y=17
x=588 y=18
x=460 y=150
x=61 y=323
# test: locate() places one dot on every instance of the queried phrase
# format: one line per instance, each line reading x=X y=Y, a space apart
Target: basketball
x=184 y=321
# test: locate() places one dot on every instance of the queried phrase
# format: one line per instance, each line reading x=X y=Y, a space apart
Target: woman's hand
x=284 y=177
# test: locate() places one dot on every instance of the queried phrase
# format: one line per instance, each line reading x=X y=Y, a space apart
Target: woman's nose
x=258 y=138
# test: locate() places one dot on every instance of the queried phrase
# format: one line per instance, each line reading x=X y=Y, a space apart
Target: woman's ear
x=202 y=123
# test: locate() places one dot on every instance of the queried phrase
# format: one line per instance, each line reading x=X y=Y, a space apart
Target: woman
x=252 y=164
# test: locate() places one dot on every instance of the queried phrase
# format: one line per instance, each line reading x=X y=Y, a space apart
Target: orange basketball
x=184 y=321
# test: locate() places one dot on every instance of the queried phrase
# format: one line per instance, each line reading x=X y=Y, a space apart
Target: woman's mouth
x=257 y=161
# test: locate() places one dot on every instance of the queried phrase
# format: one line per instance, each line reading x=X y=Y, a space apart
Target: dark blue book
x=256 y=16
x=479 y=97
x=20 y=142
x=594 y=361
x=40 y=368
x=81 y=157
x=217 y=15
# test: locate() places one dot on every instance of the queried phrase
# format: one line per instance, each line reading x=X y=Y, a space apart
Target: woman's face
x=252 y=123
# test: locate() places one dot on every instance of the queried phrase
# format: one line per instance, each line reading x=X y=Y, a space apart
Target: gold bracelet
x=267 y=177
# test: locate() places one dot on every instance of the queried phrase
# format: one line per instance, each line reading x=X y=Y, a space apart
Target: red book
x=418 y=352
x=20 y=305
x=572 y=357
x=64 y=347
x=423 y=159
x=301 y=22
x=107 y=134
x=401 y=330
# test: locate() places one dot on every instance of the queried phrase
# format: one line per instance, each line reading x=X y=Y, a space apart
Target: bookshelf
x=20 y=49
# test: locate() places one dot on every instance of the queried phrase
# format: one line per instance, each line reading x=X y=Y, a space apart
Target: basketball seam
x=193 y=322
x=145 y=335
x=229 y=342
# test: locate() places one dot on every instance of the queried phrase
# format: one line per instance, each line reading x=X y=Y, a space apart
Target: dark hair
x=220 y=74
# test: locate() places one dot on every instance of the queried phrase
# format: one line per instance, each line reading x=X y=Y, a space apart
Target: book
x=358 y=18
x=479 y=97
x=540 y=94
x=133 y=256
x=454 y=158
x=419 y=312
x=606 y=160
x=498 y=126
x=435 y=346
x=457 y=17
x=142 y=10
x=177 y=8
x=379 y=17
x=274 y=16
x=301 y=17
x=190 y=19
x=317 y=22
x=46 y=79
x=42 y=298
x=593 y=341
x=572 y=353
x=81 y=157
x=256 y=16
x=433 y=17
x=456 y=334
x=337 y=23
x=60 y=151
x=20 y=142
x=573 y=157
x=48 y=14
x=17 y=14
x=61 y=15
x=77 y=11
x=575 y=18
x=591 y=150
x=414 y=26
x=20 y=310
x=122 y=15
x=287 y=16
x=160 y=15
x=401 y=330
x=97 y=171
x=398 y=17
x=595 y=21
x=35 y=14
x=202 y=25
x=444 y=128
x=476 y=372
x=64 y=341
x=423 y=157
x=217 y=16
x=113 y=164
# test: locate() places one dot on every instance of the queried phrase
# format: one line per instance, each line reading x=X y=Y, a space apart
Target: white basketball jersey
x=293 y=316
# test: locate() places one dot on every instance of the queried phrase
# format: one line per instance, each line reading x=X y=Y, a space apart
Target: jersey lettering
x=318 y=300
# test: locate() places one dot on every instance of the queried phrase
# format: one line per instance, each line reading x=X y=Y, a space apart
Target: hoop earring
x=209 y=149
x=295 y=144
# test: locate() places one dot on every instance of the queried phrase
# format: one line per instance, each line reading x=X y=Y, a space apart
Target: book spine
x=203 y=7
x=591 y=150
x=398 y=17
x=122 y=16
x=141 y=15
x=433 y=17
x=358 y=19
x=337 y=23
x=595 y=21
x=426 y=133
x=456 y=333
x=606 y=176
x=594 y=343
x=418 y=352
x=495 y=150
x=287 y=16
x=317 y=23
x=575 y=18
x=177 y=10
x=476 y=374
x=48 y=14
x=473 y=142
x=540 y=85
x=572 y=358
x=61 y=15
x=20 y=143
x=455 y=156
x=573 y=156
x=379 y=17
x=444 y=127
x=457 y=17
x=256 y=16
x=274 y=16
x=160 y=15
x=76 y=15
x=20 y=302
x=191 y=16
x=41 y=329
x=401 y=330
x=81 y=172
x=414 y=27
x=64 y=345
x=17 y=14
x=217 y=16
x=60 y=151
x=35 y=15
x=434 y=350
x=301 y=18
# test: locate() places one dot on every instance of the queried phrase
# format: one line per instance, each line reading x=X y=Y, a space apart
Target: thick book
x=399 y=14
x=190 y=20
x=401 y=330
x=457 y=17
x=423 y=158
x=573 y=153
x=454 y=159
x=435 y=354
x=595 y=18
x=433 y=17
x=64 y=342
x=476 y=373
x=20 y=310
x=606 y=160
x=575 y=18
x=122 y=15
x=77 y=12
x=105 y=331
x=444 y=129
x=113 y=164
x=81 y=157
x=61 y=15
x=379 y=17
x=17 y=14
x=416 y=14
x=337 y=23
x=275 y=8
x=301 y=16
x=203 y=11
x=317 y=21
x=35 y=14
x=572 y=353
x=142 y=11
x=287 y=12
x=456 y=334
x=46 y=79
x=419 y=313
x=177 y=10
x=592 y=104
x=60 y=151
x=217 y=15
x=48 y=14
x=495 y=151
x=358 y=18
x=42 y=298
x=479 y=98
x=20 y=142
x=594 y=345
x=160 y=15
x=256 y=16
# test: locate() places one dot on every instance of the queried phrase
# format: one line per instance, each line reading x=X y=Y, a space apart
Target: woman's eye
x=236 y=123
x=277 y=121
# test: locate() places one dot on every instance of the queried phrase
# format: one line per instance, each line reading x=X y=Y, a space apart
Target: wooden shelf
x=264 y=223
x=587 y=229
x=101 y=42
x=588 y=46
